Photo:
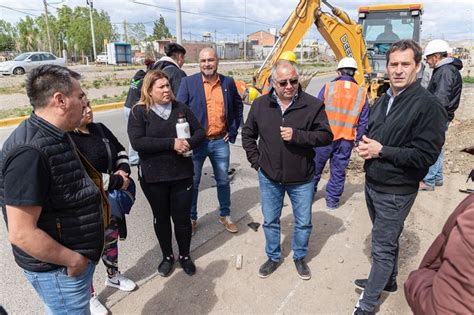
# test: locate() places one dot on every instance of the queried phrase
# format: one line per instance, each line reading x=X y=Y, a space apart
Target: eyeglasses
x=284 y=83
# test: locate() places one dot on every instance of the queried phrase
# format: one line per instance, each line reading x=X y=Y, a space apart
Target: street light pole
x=178 y=22
x=89 y=2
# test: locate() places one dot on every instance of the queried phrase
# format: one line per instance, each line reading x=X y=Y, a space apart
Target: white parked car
x=28 y=61
x=101 y=58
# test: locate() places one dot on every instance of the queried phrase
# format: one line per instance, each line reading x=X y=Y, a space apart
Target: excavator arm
x=342 y=34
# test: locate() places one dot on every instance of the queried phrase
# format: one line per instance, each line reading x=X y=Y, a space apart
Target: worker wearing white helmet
x=347 y=108
x=446 y=84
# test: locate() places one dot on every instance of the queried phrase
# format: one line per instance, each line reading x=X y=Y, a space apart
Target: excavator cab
x=382 y=25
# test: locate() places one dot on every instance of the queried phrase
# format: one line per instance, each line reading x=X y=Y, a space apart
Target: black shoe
x=303 y=270
x=359 y=311
x=166 y=266
x=187 y=264
x=268 y=268
x=389 y=288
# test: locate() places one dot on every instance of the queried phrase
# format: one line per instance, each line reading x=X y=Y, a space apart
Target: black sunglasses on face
x=284 y=83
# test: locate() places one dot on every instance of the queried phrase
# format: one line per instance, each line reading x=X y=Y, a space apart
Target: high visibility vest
x=344 y=101
x=266 y=87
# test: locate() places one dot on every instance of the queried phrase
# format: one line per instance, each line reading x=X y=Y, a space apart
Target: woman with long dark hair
x=165 y=167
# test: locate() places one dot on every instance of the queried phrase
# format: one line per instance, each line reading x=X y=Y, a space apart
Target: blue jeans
x=218 y=152
x=339 y=154
x=62 y=294
x=387 y=213
x=271 y=197
x=132 y=154
x=435 y=172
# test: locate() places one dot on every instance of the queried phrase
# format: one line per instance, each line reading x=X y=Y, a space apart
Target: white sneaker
x=120 y=282
x=96 y=307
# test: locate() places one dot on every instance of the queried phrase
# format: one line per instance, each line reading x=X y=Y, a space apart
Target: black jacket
x=135 y=89
x=285 y=162
x=412 y=135
x=153 y=138
x=174 y=73
x=446 y=84
x=73 y=215
x=92 y=146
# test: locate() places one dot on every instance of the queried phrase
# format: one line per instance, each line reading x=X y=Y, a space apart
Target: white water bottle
x=183 y=132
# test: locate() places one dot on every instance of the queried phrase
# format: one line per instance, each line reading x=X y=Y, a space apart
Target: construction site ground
x=339 y=248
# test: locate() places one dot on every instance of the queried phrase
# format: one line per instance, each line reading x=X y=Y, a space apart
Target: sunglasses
x=284 y=83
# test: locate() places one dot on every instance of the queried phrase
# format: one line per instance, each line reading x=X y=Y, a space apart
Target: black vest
x=73 y=212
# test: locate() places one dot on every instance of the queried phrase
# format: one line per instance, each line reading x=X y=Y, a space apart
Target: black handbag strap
x=107 y=147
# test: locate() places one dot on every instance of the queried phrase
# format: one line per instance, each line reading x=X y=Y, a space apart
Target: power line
x=16 y=10
x=222 y=17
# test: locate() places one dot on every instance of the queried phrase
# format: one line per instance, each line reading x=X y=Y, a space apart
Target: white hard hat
x=347 y=62
x=436 y=46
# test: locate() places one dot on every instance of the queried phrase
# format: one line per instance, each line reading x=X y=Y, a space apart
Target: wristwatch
x=381 y=152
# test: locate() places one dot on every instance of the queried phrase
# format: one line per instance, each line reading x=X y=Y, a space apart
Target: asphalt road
x=139 y=254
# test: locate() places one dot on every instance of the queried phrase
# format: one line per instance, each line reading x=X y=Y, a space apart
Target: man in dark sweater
x=403 y=138
x=53 y=204
x=446 y=85
x=287 y=123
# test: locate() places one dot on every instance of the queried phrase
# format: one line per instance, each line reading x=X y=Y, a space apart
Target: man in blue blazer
x=215 y=102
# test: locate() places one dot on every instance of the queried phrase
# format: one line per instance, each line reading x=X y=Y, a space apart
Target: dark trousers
x=171 y=200
x=388 y=213
x=339 y=154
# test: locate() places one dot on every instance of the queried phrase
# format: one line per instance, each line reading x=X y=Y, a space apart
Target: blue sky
x=451 y=20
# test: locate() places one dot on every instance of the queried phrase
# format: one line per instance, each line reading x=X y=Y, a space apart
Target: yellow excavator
x=362 y=40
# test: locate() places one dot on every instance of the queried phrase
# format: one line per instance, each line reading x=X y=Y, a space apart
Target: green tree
x=7 y=36
x=28 y=34
x=76 y=30
x=136 y=33
x=160 y=30
x=64 y=33
x=40 y=22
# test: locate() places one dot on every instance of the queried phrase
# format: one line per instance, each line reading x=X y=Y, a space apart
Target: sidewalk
x=339 y=253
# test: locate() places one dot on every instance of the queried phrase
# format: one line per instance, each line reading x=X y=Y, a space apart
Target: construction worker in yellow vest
x=347 y=108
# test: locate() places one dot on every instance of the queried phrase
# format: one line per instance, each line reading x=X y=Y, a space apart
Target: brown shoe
x=229 y=225
x=194 y=226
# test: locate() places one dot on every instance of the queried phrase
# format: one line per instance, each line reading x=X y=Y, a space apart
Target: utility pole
x=215 y=36
x=125 y=35
x=245 y=31
x=89 y=2
x=178 y=22
x=47 y=24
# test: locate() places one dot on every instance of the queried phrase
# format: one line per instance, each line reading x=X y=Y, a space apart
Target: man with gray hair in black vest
x=51 y=198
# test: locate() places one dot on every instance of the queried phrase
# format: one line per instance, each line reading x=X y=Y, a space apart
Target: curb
x=8 y=122
x=13 y=121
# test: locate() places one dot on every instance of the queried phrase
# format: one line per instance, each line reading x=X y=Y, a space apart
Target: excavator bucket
x=305 y=78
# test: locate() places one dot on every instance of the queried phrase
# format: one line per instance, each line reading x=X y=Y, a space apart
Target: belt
x=222 y=135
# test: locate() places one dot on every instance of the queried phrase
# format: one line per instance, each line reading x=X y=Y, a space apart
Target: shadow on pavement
x=182 y=294
x=349 y=190
x=324 y=226
x=208 y=229
x=409 y=247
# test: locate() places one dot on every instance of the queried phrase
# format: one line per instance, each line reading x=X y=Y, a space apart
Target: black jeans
x=388 y=213
x=171 y=199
